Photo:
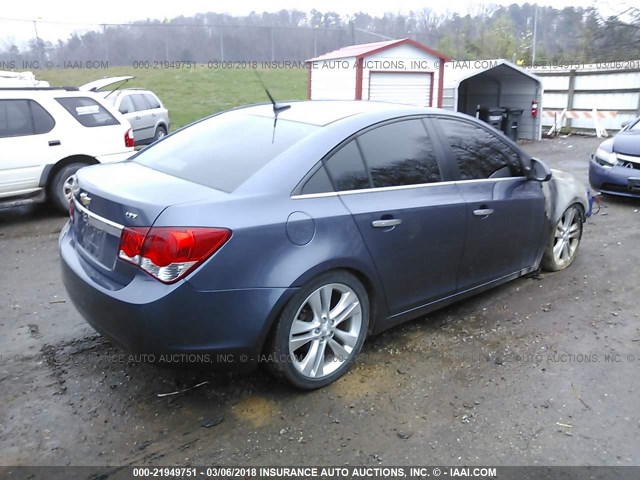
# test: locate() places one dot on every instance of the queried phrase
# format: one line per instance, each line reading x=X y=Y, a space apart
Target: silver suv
x=147 y=115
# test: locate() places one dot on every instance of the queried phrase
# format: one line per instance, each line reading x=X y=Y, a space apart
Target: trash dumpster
x=492 y=115
x=510 y=122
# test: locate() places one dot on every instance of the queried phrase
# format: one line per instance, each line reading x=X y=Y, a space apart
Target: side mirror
x=625 y=124
x=539 y=171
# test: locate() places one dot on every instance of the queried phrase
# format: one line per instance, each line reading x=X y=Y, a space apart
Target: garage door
x=409 y=88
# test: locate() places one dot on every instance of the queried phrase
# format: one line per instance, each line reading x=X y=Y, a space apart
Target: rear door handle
x=391 y=222
x=54 y=143
x=483 y=212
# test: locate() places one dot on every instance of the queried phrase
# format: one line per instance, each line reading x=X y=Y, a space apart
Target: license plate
x=92 y=239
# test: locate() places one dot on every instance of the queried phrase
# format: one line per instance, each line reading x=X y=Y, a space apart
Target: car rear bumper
x=174 y=322
x=615 y=180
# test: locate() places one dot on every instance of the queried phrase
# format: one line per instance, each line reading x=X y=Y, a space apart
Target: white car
x=47 y=134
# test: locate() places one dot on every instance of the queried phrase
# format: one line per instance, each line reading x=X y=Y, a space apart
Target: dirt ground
x=537 y=372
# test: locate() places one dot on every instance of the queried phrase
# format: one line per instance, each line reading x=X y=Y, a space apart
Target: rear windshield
x=223 y=151
x=87 y=111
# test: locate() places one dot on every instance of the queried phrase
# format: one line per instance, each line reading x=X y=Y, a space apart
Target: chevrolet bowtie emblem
x=85 y=199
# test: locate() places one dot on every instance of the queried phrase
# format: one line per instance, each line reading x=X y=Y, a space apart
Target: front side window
x=126 y=105
x=479 y=154
x=139 y=102
x=23 y=117
x=400 y=153
x=87 y=111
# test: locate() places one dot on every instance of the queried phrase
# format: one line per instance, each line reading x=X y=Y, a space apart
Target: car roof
x=324 y=112
x=49 y=92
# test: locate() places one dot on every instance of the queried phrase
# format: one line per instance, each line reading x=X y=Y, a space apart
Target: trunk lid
x=103 y=82
x=126 y=194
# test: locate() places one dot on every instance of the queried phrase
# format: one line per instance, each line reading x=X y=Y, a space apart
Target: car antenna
x=276 y=107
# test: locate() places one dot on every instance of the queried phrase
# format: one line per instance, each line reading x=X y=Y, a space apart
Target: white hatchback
x=47 y=134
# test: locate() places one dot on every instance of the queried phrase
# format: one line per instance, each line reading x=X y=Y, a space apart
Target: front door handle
x=483 y=212
x=54 y=143
x=390 y=222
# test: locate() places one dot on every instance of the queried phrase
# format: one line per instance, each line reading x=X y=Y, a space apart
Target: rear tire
x=62 y=185
x=161 y=132
x=564 y=240
x=321 y=331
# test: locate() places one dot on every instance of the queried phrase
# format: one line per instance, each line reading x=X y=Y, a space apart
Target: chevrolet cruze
x=286 y=234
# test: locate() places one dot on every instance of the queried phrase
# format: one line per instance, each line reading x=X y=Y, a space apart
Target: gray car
x=143 y=109
x=286 y=234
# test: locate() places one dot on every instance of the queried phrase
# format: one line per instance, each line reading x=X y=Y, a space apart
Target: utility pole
x=38 y=49
x=166 y=27
x=535 y=31
x=106 y=42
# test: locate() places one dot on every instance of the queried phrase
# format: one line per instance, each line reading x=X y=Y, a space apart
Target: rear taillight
x=128 y=139
x=169 y=253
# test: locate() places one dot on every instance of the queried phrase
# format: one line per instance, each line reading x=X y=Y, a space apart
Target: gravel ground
x=539 y=371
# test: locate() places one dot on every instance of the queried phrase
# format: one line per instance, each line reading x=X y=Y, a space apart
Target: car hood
x=627 y=143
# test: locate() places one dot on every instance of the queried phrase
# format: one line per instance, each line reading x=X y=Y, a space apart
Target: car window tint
x=223 y=151
x=152 y=101
x=23 y=117
x=400 y=153
x=87 y=111
x=139 y=102
x=126 y=105
x=479 y=153
x=42 y=121
x=319 y=182
x=347 y=168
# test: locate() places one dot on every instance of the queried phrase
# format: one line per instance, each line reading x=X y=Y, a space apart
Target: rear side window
x=319 y=182
x=400 y=153
x=480 y=154
x=87 y=111
x=347 y=168
x=152 y=101
x=23 y=117
x=222 y=152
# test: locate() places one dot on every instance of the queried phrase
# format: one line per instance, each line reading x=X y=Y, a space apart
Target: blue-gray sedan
x=287 y=234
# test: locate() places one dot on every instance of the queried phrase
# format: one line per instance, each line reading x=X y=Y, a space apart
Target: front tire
x=62 y=185
x=564 y=241
x=321 y=331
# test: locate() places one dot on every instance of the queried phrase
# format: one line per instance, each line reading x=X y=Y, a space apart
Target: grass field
x=190 y=94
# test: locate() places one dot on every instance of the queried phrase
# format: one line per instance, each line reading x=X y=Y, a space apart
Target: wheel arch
x=374 y=294
x=50 y=173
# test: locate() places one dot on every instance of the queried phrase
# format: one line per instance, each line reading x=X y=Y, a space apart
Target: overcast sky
x=123 y=11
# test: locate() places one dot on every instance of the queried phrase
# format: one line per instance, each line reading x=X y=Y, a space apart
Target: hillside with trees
x=572 y=34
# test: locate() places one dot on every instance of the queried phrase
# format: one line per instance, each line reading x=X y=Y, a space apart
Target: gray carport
x=493 y=83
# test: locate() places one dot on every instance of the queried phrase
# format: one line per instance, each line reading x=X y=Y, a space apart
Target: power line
x=162 y=24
